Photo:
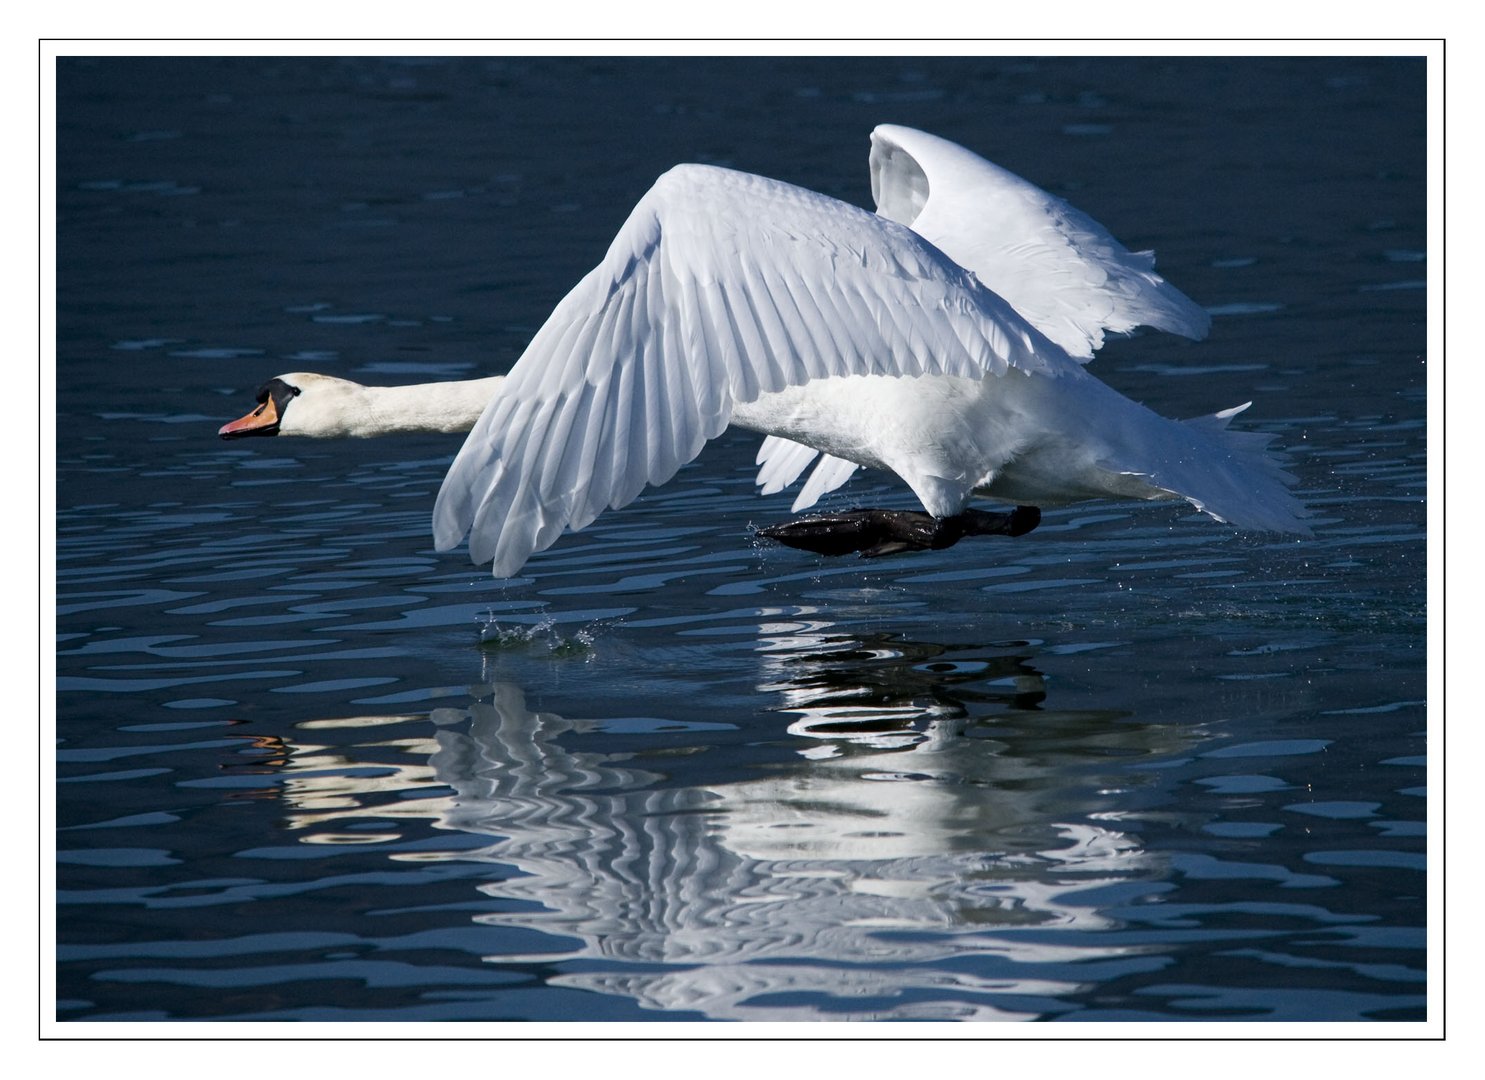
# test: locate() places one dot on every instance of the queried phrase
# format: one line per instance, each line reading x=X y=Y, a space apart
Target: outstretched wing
x=720 y=287
x=1055 y=265
x=1061 y=270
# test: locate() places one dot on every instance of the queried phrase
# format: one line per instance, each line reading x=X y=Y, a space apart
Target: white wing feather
x=1055 y=265
x=781 y=461
x=720 y=287
x=829 y=474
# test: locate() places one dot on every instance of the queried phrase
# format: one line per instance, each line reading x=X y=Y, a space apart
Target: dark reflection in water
x=1134 y=766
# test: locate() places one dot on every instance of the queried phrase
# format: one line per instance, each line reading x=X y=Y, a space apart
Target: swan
x=942 y=339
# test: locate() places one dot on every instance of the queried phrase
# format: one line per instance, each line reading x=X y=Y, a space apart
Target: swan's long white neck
x=327 y=407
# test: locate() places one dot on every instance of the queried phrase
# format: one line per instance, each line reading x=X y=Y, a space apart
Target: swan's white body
x=940 y=339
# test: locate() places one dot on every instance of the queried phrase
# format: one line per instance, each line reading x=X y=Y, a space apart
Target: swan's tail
x=1231 y=475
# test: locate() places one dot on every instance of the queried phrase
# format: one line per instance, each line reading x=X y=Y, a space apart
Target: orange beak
x=261 y=421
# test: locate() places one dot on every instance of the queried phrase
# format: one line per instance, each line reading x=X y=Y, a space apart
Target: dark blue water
x=1134 y=766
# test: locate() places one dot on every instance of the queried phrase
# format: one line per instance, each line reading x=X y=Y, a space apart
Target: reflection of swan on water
x=766 y=886
x=931 y=810
x=891 y=856
x=870 y=689
x=870 y=339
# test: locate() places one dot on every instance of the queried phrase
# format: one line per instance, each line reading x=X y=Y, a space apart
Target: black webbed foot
x=875 y=533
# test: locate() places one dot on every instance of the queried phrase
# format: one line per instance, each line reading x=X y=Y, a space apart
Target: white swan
x=940 y=339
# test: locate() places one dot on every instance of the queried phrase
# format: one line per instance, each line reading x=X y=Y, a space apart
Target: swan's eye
x=275 y=392
x=276 y=389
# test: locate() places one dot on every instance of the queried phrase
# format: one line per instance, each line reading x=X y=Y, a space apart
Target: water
x=1134 y=766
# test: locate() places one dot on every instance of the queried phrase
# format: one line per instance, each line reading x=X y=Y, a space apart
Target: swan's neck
x=441 y=406
x=341 y=409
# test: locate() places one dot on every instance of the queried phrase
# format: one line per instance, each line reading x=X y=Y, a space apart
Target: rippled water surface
x=1133 y=766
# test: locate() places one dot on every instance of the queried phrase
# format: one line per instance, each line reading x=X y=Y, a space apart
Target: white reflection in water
x=934 y=809
x=917 y=824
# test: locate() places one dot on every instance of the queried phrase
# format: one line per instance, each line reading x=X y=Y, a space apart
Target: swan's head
x=300 y=403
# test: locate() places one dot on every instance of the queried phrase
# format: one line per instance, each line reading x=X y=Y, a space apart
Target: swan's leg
x=886 y=532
